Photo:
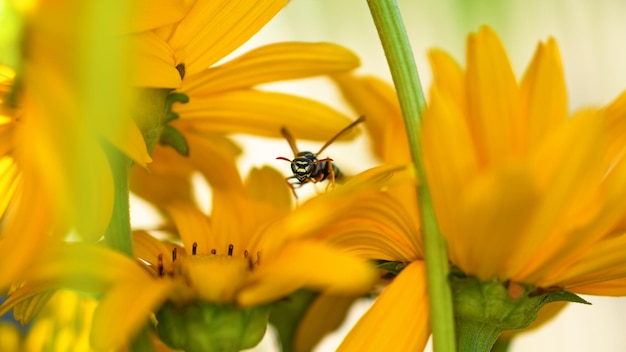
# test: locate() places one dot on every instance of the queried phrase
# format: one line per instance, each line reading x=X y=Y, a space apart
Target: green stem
x=406 y=80
x=118 y=234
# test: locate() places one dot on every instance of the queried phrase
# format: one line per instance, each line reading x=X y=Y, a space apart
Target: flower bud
x=208 y=327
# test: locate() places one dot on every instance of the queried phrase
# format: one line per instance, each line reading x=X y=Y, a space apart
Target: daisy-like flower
x=250 y=252
x=529 y=198
x=223 y=98
x=524 y=191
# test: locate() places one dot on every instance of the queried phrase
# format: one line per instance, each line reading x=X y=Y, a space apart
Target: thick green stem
x=118 y=234
x=406 y=80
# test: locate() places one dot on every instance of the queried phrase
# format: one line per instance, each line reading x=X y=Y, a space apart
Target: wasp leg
x=292 y=187
x=331 y=175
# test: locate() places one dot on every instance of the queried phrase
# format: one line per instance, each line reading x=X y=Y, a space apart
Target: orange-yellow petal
x=408 y=327
x=155 y=66
x=148 y=14
x=262 y=113
x=270 y=63
x=492 y=97
x=213 y=29
x=125 y=309
x=193 y=226
x=448 y=77
x=215 y=278
x=310 y=265
x=543 y=94
x=489 y=222
x=323 y=316
x=378 y=102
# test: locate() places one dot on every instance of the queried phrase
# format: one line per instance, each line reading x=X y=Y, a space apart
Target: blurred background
x=591 y=39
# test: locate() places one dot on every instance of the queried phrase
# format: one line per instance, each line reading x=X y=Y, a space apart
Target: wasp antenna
x=346 y=129
x=283 y=158
x=290 y=140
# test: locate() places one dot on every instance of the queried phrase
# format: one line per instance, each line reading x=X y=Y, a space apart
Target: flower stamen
x=213 y=251
x=230 y=250
x=194 y=248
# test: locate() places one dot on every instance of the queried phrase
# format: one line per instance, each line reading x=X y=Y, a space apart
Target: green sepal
x=287 y=314
x=175 y=139
x=484 y=309
x=209 y=327
x=392 y=267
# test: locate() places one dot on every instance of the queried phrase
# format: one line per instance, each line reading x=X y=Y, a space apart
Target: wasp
x=306 y=166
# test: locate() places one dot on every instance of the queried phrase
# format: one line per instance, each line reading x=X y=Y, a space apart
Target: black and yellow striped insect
x=306 y=166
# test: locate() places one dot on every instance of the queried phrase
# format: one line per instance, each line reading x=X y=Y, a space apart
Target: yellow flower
x=223 y=98
x=523 y=191
x=251 y=251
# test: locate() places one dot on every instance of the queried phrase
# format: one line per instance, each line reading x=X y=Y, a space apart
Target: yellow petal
x=23 y=237
x=263 y=113
x=148 y=14
x=324 y=315
x=125 y=310
x=270 y=63
x=155 y=66
x=450 y=164
x=266 y=185
x=378 y=101
x=310 y=265
x=214 y=156
x=193 y=226
x=492 y=97
x=9 y=182
x=616 y=126
x=215 y=278
x=376 y=227
x=543 y=94
x=127 y=137
x=448 y=77
x=399 y=319
x=493 y=224
x=148 y=248
x=568 y=169
x=169 y=168
x=212 y=29
x=615 y=287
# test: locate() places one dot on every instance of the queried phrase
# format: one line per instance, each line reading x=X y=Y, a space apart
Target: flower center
x=174 y=268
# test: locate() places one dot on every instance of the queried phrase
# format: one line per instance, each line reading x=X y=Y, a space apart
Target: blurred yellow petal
x=125 y=310
x=168 y=169
x=485 y=216
x=193 y=226
x=150 y=14
x=263 y=113
x=270 y=63
x=378 y=102
x=216 y=278
x=212 y=29
x=492 y=97
x=307 y=265
x=214 y=156
x=544 y=94
x=266 y=185
x=324 y=315
x=449 y=77
x=127 y=137
x=405 y=326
